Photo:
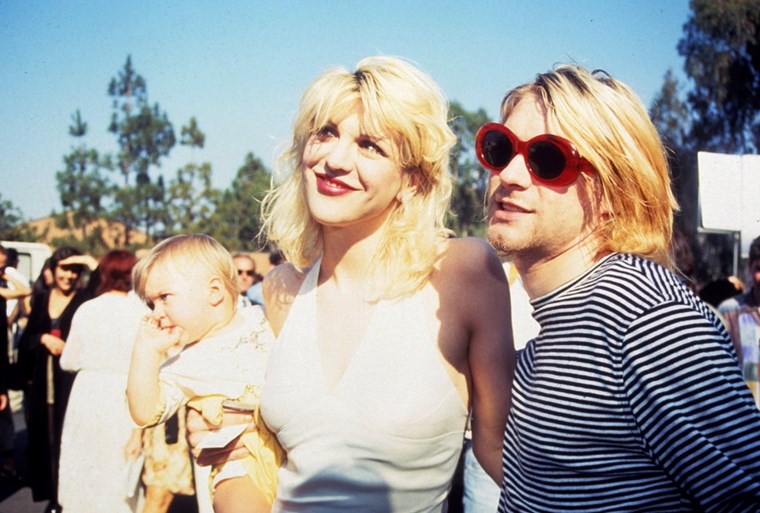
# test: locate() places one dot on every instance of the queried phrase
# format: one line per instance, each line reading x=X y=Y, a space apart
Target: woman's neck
x=55 y=291
x=347 y=254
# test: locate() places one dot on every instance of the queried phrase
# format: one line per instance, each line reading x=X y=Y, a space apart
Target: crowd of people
x=584 y=375
x=69 y=346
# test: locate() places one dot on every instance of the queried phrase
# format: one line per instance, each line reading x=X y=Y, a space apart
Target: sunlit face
x=350 y=175
x=65 y=277
x=246 y=273
x=528 y=221
x=180 y=300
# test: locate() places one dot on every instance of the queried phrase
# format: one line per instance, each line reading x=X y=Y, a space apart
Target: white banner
x=729 y=194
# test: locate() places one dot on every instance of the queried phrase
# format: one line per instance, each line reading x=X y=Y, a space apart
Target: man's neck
x=542 y=275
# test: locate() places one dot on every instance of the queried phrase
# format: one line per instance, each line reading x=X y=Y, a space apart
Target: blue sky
x=240 y=67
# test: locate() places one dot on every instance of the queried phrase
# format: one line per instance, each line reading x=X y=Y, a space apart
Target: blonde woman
x=389 y=331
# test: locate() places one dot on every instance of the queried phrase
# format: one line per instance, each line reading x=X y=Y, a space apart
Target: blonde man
x=630 y=397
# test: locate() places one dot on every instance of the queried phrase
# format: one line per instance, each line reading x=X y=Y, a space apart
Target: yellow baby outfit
x=266 y=454
x=228 y=366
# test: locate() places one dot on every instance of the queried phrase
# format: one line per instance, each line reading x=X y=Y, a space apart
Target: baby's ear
x=216 y=290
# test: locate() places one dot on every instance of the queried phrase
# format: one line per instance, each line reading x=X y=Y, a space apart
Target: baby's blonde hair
x=397 y=100
x=611 y=128
x=186 y=253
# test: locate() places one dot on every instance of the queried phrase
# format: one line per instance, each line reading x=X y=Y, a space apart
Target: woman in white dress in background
x=99 y=438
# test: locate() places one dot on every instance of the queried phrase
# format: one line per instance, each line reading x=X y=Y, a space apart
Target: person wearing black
x=48 y=386
x=10 y=288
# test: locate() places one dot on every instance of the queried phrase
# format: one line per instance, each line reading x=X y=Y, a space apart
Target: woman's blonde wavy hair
x=611 y=128
x=396 y=100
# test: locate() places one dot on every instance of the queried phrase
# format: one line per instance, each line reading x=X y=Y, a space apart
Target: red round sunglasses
x=551 y=159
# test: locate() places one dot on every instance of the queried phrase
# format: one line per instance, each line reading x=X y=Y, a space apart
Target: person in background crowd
x=741 y=315
x=168 y=470
x=99 y=440
x=256 y=293
x=17 y=309
x=717 y=291
x=39 y=352
x=43 y=282
x=12 y=290
x=246 y=276
x=7 y=467
x=630 y=397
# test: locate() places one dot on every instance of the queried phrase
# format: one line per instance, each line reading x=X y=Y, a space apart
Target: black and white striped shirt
x=630 y=399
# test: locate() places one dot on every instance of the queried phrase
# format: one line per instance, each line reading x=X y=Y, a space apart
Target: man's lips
x=510 y=206
x=506 y=211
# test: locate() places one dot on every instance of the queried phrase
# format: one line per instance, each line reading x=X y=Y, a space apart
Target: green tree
x=721 y=47
x=237 y=220
x=470 y=179
x=83 y=189
x=145 y=135
x=12 y=224
x=710 y=252
x=721 y=111
x=671 y=116
x=191 y=197
x=191 y=135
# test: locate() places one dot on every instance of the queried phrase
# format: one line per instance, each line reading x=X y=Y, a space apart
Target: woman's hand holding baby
x=198 y=428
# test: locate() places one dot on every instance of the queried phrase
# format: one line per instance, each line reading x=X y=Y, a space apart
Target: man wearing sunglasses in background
x=246 y=271
x=630 y=398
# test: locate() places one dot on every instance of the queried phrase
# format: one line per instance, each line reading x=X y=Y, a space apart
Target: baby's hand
x=161 y=339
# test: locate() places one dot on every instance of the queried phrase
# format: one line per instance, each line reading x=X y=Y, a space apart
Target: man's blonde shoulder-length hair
x=183 y=254
x=395 y=100
x=611 y=128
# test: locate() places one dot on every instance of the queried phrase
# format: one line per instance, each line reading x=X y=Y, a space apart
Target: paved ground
x=16 y=497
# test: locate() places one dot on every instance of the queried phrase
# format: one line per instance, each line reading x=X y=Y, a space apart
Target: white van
x=31 y=257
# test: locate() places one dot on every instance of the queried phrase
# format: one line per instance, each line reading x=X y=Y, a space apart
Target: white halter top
x=387 y=438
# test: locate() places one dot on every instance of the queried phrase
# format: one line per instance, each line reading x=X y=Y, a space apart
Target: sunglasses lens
x=546 y=160
x=497 y=149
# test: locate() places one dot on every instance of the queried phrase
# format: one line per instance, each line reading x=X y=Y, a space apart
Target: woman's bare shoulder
x=283 y=277
x=280 y=288
x=469 y=256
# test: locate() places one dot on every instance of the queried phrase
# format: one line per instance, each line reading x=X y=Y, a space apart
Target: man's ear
x=216 y=290
x=605 y=207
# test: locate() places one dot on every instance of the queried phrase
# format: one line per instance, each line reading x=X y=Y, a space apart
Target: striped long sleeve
x=630 y=399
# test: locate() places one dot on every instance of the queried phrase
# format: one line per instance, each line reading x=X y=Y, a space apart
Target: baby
x=197 y=348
